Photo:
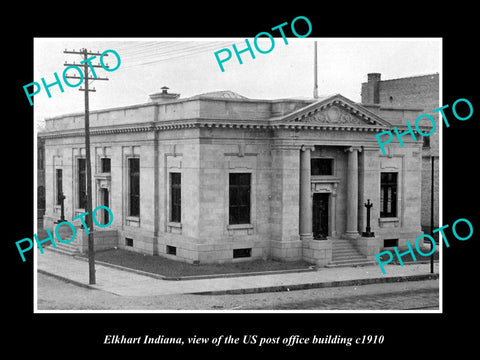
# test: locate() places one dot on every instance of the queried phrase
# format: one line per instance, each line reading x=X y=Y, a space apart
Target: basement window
x=171 y=250
x=242 y=253
x=129 y=242
x=390 y=242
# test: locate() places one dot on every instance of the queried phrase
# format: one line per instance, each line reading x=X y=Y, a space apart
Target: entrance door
x=320 y=215
x=105 y=202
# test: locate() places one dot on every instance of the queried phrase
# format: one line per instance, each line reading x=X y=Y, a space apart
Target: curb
x=319 y=285
x=278 y=288
x=67 y=280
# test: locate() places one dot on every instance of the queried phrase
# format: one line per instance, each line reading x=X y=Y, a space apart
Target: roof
x=409 y=77
x=226 y=94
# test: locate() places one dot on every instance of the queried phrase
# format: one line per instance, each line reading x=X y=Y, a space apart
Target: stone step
x=345 y=263
x=70 y=248
x=342 y=245
x=348 y=260
x=65 y=250
x=344 y=253
x=71 y=245
x=65 y=234
x=348 y=256
x=344 y=250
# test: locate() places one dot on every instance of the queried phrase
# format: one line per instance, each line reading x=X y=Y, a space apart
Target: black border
x=404 y=333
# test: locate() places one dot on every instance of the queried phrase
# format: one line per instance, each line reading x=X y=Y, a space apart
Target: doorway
x=105 y=202
x=320 y=215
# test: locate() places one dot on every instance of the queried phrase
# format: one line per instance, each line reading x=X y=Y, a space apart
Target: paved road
x=55 y=294
x=418 y=299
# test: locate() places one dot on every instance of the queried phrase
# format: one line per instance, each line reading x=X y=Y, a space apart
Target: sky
x=189 y=67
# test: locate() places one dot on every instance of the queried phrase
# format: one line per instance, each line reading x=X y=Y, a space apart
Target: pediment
x=335 y=110
x=331 y=114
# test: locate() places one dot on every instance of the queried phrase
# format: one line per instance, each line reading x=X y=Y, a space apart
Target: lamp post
x=62 y=213
x=367 y=232
x=61 y=197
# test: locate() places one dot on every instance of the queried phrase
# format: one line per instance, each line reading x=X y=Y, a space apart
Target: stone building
x=420 y=93
x=218 y=177
x=40 y=178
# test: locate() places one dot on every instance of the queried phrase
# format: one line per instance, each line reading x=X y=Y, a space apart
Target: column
x=306 y=232
x=352 y=192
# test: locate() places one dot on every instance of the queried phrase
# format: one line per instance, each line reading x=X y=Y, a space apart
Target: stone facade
x=209 y=137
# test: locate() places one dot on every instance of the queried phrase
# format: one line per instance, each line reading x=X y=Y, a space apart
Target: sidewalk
x=127 y=283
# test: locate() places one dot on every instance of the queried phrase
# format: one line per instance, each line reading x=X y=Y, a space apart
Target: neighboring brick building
x=419 y=93
x=218 y=177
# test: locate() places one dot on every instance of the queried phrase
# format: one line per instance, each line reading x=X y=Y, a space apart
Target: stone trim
x=211 y=124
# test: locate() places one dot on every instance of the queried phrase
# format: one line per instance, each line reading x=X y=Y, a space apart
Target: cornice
x=210 y=124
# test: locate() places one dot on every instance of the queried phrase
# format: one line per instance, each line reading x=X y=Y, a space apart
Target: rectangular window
x=129 y=242
x=40 y=157
x=321 y=166
x=59 y=186
x=390 y=242
x=388 y=194
x=105 y=165
x=426 y=142
x=176 y=197
x=242 y=253
x=171 y=250
x=239 y=198
x=82 y=184
x=134 y=187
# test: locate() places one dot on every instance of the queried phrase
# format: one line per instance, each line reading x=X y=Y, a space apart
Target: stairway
x=344 y=253
x=70 y=248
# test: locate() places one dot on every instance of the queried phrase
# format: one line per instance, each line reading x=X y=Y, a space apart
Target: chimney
x=373 y=88
x=163 y=96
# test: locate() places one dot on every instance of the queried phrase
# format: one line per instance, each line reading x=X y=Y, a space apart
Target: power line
x=174 y=54
x=174 y=50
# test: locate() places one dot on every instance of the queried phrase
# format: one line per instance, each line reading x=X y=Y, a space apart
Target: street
x=55 y=294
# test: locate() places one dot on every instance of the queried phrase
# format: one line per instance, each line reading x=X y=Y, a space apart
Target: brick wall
x=415 y=91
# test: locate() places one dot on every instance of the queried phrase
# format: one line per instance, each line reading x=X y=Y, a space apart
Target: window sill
x=389 y=221
x=240 y=229
x=239 y=226
x=174 y=227
x=175 y=224
x=133 y=221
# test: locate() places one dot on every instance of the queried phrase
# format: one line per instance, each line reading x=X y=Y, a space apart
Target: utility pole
x=432 y=207
x=89 y=220
x=315 y=80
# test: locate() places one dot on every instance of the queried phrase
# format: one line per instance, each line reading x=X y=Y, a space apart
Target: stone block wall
x=369 y=246
x=406 y=226
x=284 y=203
x=317 y=252
x=103 y=239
